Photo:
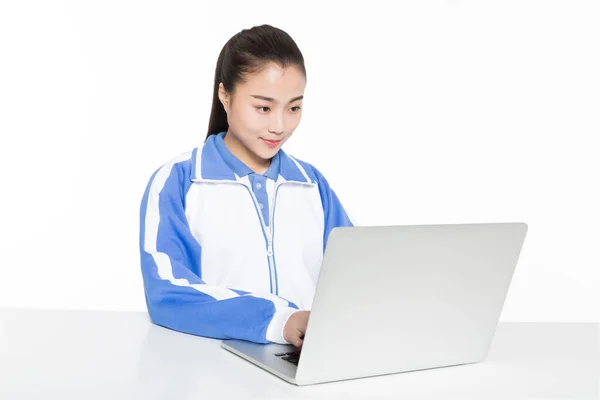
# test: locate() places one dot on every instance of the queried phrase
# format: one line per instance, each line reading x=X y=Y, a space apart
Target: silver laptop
x=392 y=299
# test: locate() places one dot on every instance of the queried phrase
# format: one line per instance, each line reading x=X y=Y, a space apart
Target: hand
x=295 y=328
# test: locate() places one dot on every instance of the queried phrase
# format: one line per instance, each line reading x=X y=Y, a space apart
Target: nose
x=276 y=125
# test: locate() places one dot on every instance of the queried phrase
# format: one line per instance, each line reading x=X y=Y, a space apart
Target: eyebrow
x=273 y=100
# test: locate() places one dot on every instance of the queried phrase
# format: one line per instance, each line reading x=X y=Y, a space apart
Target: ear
x=224 y=97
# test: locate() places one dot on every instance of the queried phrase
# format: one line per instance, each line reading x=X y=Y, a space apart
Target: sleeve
x=335 y=214
x=176 y=296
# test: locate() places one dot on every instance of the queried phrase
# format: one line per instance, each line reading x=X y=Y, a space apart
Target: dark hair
x=248 y=52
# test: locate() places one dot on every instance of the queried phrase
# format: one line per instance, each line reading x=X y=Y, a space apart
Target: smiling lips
x=271 y=143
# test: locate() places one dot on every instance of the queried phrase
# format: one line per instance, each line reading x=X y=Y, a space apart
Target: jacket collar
x=214 y=162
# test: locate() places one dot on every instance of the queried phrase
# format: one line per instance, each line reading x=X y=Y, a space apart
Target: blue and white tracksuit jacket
x=230 y=254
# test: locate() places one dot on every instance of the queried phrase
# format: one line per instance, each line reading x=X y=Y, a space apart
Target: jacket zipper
x=272 y=240
x=269 y=239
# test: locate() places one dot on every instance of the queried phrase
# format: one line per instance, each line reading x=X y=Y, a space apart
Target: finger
x=297 y=340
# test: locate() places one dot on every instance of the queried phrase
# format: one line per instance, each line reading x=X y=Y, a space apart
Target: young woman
x=232 y=233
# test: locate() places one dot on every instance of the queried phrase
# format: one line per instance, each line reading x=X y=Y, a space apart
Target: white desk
x=62 y=354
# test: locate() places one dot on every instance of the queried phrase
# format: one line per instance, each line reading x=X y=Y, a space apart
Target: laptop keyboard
x=291 y=357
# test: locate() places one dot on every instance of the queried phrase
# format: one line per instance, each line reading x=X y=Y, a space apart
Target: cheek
x=294 y=121
x=250 y=118
x=247 y=125
x=291 y=124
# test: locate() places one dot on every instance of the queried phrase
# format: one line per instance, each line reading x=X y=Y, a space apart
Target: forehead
x=273 y=80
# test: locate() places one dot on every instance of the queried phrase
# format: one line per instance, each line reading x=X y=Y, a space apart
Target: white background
x=417 y=113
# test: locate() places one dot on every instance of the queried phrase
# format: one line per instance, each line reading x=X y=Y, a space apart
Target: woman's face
x=262 y=113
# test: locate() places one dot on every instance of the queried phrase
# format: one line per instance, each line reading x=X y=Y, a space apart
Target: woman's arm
x=333 y=210
x=176 y=296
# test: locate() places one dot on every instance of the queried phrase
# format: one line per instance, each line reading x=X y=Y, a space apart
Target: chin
x=268 y=154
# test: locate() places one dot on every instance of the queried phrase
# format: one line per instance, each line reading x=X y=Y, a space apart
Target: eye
x=259 y=108
x=297 y=108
